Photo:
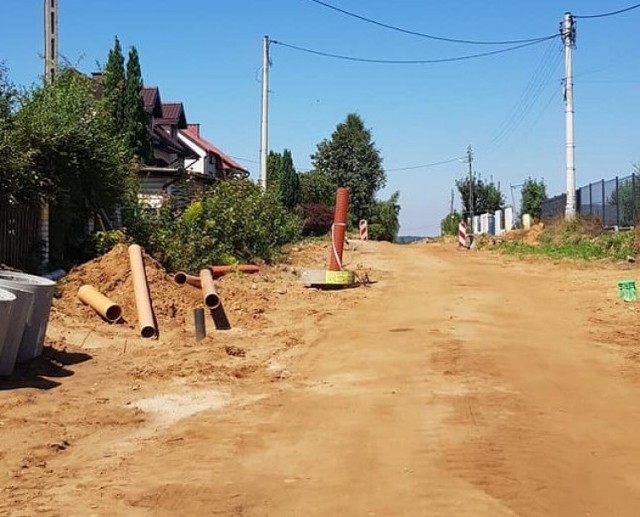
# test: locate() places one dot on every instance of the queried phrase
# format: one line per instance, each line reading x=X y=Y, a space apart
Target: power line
x=603 y=15
x=422 y=34
x=243 y=159
x=536 y=86
x=411 y=61
x=425 y=166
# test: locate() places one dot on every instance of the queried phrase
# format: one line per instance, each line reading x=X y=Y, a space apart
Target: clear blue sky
x=207 y=54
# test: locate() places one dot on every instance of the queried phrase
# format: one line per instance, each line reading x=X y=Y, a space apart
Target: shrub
x=318 y=219
x=233 y=222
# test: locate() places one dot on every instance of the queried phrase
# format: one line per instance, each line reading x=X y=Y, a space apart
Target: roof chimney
x=195 y=129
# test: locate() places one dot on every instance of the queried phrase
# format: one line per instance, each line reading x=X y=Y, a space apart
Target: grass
x=582 y=239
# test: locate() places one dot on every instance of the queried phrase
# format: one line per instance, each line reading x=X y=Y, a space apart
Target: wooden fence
x=19 y=236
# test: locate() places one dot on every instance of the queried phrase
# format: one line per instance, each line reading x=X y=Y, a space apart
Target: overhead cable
x=422 y=34
x=412 y=61
x=603 y=15
x=425 y=166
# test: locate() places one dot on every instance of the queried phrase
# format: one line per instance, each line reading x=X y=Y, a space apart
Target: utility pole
x=470 y=162
x=568 y=32
x=50 y=69
x=451 y=206
x=264 y=127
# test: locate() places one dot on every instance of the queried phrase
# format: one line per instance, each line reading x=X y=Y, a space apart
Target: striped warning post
x=364 y=230
x=462 y=235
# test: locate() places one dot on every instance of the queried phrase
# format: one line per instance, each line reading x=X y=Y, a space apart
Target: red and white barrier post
x=364 y=230
x=462 y=235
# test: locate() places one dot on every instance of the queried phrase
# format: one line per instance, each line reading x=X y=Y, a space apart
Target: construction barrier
x=364 y=230
x=462 y=235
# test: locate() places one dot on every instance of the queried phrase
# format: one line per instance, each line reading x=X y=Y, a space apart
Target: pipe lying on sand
x=239 y=268
x=211 y=298
x=146 y=320
x=108 y=309
x=181 y=278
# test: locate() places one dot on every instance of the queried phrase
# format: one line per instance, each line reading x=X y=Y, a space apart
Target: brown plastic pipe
x=211 y=298
x=146 y=320
x=108 y=309
x=240 y=268
x=339 y=229
x=181 y=278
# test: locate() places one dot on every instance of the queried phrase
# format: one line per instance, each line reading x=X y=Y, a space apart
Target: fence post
x=590 y=199
x=633 y=199
x=617 y=202
x=604 y=207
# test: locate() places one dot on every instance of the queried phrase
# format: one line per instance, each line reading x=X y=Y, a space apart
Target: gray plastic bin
x=6 y=302
x=17 y=318
x=37 y=313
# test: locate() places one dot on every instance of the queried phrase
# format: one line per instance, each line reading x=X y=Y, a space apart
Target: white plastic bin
x=37 y=312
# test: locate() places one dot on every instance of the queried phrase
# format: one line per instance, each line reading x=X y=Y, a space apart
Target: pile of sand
x=111 y=275
x=246 y=298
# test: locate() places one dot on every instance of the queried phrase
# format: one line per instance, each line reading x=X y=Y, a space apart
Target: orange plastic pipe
x=108 y=309
x=182 y=278
x=339 y=229
x=146 y=320
x=209 y=293
x=240 y=268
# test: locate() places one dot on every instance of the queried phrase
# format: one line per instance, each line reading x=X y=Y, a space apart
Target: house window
x=212 y=160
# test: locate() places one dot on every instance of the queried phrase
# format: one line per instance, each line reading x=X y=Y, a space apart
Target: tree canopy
x=350 y=159
x=486 y=196
x=534 y=194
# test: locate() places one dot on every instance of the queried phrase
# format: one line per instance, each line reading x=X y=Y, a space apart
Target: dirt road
x=459 y=384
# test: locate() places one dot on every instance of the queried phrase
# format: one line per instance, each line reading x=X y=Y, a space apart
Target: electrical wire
x=536 y=86
x=425 y=166
x=422 y=34
x=602 y=15
x=412 y=61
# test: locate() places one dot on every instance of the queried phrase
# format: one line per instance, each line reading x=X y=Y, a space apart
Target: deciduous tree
x=350 y=159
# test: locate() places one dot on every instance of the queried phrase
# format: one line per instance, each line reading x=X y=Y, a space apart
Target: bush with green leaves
x=449 y=225
x=234 y=222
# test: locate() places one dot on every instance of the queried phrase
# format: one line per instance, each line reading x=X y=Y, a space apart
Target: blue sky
x=207 y=54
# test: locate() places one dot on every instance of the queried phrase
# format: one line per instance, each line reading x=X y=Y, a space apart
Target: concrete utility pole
x=568 y=32
x=470 y=162
x=50 y=39
x=50 y=69
x=264 y=129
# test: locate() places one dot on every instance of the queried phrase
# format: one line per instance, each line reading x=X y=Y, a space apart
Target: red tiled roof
x=173 y=115
x=191 y=132
x=151 y=100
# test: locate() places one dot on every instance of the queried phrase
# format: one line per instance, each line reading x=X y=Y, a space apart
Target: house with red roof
x=179 y=153
x=212 y=162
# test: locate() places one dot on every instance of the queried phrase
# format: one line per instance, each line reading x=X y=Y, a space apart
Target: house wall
x=203 y=165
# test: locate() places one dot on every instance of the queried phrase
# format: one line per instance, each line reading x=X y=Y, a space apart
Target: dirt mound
x=111 y=275
x=245 y=297
x=531 y=236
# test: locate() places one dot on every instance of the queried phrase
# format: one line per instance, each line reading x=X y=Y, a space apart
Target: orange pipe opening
x=181 y=278
x=339 y=229
x=209 y=293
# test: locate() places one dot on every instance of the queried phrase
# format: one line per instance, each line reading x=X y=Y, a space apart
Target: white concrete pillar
x=508 y=218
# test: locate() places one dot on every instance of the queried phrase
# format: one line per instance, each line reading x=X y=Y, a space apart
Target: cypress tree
x=114 y=84
x=136 y=119
x=289 y=181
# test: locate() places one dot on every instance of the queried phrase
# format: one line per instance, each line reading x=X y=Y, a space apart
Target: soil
x=457 y=383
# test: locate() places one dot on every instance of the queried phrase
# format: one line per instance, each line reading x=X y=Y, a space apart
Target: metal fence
x=616 y=203
x=19 y=236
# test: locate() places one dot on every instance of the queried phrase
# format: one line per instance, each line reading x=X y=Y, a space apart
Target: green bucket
x=627 y=290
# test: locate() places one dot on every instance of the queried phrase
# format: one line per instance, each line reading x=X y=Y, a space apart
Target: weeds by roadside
x=582 y=239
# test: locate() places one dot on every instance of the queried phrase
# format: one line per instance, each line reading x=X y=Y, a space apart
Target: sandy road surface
x=461 y=384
